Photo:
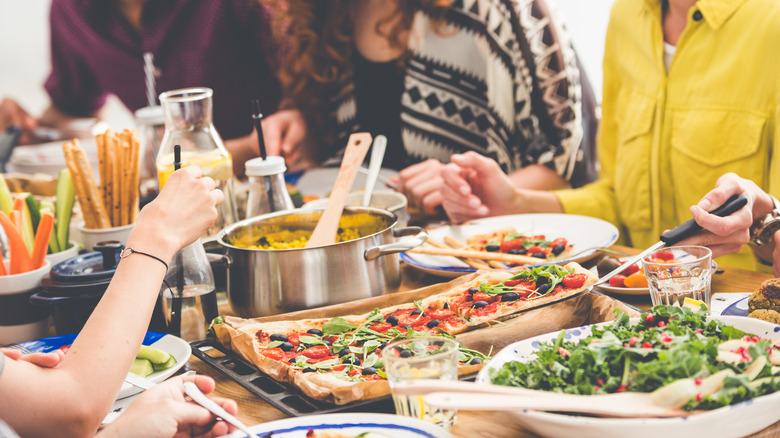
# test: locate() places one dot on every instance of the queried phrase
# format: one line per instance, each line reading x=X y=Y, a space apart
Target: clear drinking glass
x=188 y=123
x=421 y=358
x=190 y=303
x=680 y=272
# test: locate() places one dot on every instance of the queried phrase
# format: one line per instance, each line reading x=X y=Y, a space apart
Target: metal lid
x=89 y=268
x=272 y=165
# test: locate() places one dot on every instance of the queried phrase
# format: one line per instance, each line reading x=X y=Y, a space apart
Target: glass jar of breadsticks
x=188 y=123
x=110 y=199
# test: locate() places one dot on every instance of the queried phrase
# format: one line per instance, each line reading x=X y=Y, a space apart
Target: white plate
x=353 y=424
x=730 y=421
x=582 y=232
x=176 y=347
x=636 y=291
x=319 y=182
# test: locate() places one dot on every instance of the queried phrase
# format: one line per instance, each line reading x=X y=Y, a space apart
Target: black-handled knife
x=679 y=233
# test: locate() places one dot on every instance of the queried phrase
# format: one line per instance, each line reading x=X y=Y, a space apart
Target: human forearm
x=538 y=177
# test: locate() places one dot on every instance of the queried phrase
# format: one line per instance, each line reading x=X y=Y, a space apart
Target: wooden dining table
x=253 y=410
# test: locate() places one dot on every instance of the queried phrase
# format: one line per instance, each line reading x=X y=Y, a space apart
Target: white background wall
x=24 y=52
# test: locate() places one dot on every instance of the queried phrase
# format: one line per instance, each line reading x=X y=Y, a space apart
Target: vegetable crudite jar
x=270 y=272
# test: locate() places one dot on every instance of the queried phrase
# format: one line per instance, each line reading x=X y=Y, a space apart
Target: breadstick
x=480 y=255
x=108 y=184
x=93 y=197
x=455 y=243
x=135 y=172
x=476 y=264
x=78 y=185
x=100 y=141
x=118 y=183
x=124 y=141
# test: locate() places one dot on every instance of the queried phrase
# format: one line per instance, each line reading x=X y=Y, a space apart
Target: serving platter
x=737 y=308
x=354 y=424
x=725 y=422
x=582 y=232
x=175 y=346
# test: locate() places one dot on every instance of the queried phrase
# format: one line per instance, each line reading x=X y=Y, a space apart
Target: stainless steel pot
x=270 y=281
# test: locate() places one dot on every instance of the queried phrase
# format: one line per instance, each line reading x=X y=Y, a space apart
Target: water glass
x=680 y=272
x=426 y=357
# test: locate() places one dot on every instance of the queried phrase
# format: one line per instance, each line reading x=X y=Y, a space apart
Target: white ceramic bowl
x=59 y=257
x=389 y=200
x=21 y=284
x=90 y=236
x=736 y=420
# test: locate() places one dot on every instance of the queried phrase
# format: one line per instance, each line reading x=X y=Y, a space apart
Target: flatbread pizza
x=339 y=360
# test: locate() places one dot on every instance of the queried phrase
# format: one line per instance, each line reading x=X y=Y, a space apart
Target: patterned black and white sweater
x=500 y=79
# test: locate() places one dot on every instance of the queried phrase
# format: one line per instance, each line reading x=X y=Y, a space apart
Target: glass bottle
x=188 y=294
x=188 y=123
x=150 y=123
x=267 y=190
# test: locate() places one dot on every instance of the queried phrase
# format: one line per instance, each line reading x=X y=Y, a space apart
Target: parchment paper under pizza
x=339 y=360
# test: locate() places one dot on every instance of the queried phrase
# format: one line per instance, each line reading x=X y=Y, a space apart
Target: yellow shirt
x=665 y=139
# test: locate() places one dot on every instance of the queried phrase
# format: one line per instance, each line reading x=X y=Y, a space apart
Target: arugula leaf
x=337 y=326
x=273 y=344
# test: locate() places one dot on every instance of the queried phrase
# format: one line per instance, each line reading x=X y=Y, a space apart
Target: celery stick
x=5 y=197
x=28 y=234
x=66 y=196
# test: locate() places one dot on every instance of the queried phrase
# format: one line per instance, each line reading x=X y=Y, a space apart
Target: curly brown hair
x=318 y=38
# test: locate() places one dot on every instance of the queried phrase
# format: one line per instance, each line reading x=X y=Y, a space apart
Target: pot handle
x=419 y=236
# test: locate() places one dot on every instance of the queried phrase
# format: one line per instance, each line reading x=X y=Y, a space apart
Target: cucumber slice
x=164 y=366
x=154 y=355
x=141 y=367
x=66 y=196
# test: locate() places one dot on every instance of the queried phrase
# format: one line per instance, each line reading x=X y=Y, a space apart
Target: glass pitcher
x=189 y=299
x=188 y=123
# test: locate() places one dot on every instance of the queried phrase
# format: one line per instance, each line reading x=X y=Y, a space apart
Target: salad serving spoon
x=472 y=396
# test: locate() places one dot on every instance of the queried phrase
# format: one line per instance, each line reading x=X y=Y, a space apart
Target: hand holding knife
x=679 y=233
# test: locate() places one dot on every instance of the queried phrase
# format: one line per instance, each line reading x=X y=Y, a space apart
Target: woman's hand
x=285 y=133
x=163 y=412
x=475 y=186
x=725 y=235
x=46 y=360
x=181 y=213
x=420 y=183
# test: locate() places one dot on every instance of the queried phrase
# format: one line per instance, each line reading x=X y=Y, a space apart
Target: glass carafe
x=188 y=123
x=188 y=294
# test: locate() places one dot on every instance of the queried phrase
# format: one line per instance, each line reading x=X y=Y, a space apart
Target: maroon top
x=225 y=45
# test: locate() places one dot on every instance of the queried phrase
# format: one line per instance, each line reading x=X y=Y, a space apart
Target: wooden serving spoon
x=325 y=231
x=471 y=396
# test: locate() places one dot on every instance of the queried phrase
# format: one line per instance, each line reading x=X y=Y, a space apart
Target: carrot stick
x=16 y=219
x=20 y=258
x=42 y=236
x=18 y=204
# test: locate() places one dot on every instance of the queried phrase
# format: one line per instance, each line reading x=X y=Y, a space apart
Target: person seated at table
x=98 y=47
x=671 y=125
x=160 y=412
x=73 y=397
x=435 y=78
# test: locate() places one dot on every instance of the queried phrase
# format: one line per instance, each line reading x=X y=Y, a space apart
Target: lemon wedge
x=692 y=304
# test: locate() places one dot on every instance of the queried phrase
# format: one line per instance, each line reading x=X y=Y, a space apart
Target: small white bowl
x=90 y=236
x=22 y=284
x=59 y=257
x=391 y=201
